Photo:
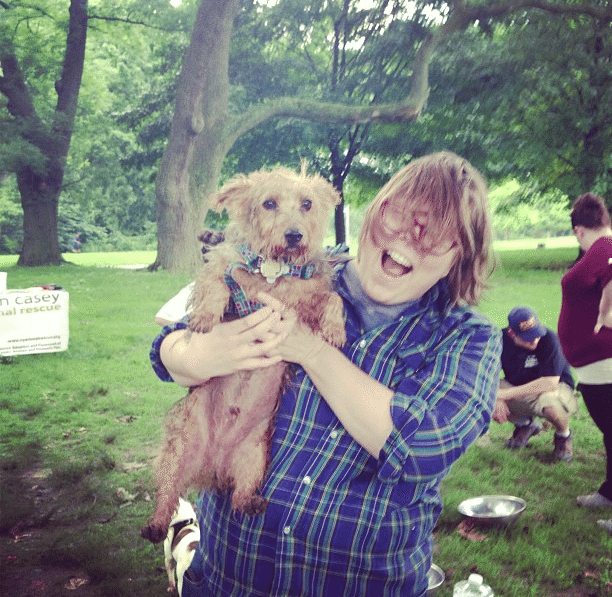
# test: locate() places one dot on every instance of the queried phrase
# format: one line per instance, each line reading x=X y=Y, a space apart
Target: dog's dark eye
x=270 y=204
x=306 y=204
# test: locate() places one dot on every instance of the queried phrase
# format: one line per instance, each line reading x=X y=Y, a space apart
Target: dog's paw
x=251 y=506
x=336 y=335
x=153 y=533
x=201 y=323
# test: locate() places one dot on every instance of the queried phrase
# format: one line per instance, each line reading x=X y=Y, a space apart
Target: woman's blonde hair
x=456 y=195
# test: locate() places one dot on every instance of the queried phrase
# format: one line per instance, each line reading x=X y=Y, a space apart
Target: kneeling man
x=538 y=383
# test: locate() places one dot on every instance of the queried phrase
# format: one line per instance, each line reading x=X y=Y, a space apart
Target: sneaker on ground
x=594 y=500
x=563 y=448
x=520 y=437
x=606 y=525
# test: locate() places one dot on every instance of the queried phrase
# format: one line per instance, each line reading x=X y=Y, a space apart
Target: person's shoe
x=594 y=500
x=520 y=437
x=606 y=525
x=563 y=448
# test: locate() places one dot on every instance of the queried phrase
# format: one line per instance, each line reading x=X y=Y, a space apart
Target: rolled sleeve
x=154 y=354
x=441 y=409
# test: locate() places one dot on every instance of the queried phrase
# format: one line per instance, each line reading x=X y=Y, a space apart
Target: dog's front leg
x=208 y=303
x=332 y=321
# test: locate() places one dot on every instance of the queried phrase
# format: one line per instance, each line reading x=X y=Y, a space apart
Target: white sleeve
x=175 y=308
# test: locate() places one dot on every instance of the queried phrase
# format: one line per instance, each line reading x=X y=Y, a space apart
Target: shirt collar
x=436 y=300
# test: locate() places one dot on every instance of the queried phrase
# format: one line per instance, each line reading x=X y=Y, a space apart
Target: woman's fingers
x=271 y=302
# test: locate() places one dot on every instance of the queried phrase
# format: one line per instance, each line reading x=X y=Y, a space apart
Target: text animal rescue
x=29 y=303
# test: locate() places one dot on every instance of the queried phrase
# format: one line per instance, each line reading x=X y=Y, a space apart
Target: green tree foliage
x=329 y=81
x=35 y=122
x=95 y=182
x=529 y=97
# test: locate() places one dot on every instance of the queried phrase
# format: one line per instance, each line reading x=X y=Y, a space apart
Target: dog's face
x=281 y=214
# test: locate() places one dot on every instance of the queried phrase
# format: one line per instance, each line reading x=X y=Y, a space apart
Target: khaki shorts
x=532 y=405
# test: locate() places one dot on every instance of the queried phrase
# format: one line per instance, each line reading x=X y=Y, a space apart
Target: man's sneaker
x=563 y=448
x=520 y=437
x=606 y=524
x=594 y=500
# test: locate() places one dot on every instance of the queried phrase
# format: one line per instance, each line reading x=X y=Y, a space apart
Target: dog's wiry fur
x=218 y=436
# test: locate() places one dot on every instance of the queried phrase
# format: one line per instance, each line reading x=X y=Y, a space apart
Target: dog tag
x=271 y=269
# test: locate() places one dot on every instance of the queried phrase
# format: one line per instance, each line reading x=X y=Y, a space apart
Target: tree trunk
x=192 y=161
x=40 y=241
x=203 y=131
x=40 y=188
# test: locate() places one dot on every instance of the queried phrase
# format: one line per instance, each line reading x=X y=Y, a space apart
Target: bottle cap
x=475 y=579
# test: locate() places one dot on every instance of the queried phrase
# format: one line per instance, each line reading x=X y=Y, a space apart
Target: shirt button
x=362 y=344
x=286 y=530
x=333 y=434
x=306 y=480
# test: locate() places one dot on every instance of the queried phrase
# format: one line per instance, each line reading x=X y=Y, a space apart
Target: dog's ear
x=327 y=191
x=230 y=194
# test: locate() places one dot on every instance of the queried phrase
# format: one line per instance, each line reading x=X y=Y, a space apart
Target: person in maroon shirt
x=585 y=327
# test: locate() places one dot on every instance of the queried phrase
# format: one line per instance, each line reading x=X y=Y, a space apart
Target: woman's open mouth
x=394 y=264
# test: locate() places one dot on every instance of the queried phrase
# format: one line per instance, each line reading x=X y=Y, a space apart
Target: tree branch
x=477 y=12
x=128 y=21
x=12 y=85
x=308 y=109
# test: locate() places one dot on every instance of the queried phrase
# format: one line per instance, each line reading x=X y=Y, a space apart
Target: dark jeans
x=598 y=400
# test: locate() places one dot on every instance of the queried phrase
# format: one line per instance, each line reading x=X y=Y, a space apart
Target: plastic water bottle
x=472 y=587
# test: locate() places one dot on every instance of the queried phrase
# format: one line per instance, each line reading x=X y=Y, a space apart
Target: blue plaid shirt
x=339 y=521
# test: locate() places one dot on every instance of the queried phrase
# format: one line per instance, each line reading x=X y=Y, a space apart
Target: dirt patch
x=46 y=582
x=49 y=549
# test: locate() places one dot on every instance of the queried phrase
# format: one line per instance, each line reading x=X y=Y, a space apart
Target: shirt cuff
x=154 y=354
x=407 y=413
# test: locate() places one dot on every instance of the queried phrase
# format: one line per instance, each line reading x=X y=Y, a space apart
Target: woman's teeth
x=399 y=259
x=394 y=264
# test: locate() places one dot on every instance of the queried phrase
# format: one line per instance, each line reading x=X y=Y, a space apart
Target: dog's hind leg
x=242 y=447
x=248 y=469
x=169 y=562
x=184 y=460
x=184 y=563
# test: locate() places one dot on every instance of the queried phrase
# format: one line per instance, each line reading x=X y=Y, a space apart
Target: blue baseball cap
x=525 y=324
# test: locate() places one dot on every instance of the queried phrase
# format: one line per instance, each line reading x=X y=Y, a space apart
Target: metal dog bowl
x=435 y=578
x=502 y=510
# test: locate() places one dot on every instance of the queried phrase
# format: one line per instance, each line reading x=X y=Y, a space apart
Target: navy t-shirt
x=522 y=366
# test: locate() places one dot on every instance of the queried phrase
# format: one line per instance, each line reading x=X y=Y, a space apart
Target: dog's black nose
x=293 y=237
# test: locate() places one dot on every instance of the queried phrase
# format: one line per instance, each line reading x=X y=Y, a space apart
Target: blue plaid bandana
x=256 y=264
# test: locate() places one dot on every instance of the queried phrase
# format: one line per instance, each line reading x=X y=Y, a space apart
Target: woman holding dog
x=364 y=434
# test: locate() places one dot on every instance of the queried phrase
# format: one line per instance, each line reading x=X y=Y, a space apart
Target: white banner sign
x=33 y=321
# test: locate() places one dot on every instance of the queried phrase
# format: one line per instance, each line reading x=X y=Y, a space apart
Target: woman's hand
x=299 y=344
x=239 y=345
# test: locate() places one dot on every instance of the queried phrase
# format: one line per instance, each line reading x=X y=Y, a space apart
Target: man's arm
x=537 y=386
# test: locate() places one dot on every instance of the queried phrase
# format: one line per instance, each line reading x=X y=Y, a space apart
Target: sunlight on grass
x=143 y=258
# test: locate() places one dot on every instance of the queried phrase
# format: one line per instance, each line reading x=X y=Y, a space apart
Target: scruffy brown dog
x=218 y=436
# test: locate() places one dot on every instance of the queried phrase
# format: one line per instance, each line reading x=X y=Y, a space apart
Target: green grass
x=80 y=428
x=95 y=259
